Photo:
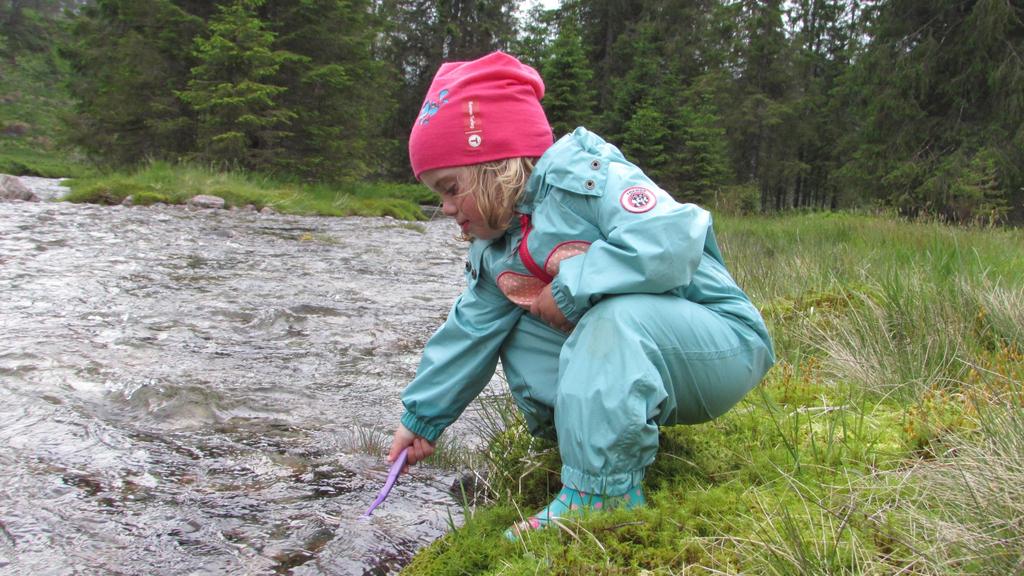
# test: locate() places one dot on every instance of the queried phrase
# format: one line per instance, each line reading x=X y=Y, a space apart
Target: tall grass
x=903 y=337
x=889 y=305
x=963 y=512
x=518 y=468
x=1000 y=309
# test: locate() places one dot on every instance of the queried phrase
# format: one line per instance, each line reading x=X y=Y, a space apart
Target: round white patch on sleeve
x=638 y=199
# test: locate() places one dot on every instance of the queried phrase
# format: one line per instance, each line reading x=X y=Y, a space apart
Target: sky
x=548 y=4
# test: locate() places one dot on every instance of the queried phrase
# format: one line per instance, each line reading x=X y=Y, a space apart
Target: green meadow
x=888 y=439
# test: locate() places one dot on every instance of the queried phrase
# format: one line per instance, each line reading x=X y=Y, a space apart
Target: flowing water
x=180 y=390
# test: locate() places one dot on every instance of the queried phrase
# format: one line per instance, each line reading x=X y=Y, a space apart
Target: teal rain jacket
x=599 y=231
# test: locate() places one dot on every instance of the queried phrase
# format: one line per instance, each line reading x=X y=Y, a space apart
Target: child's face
x=459 y=204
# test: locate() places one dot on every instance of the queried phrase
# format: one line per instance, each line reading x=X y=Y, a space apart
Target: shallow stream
x=183 y=392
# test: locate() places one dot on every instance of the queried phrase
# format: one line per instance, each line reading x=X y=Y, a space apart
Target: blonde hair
x=497 y=187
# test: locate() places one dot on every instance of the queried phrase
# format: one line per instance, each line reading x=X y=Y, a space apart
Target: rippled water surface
x=179 y=389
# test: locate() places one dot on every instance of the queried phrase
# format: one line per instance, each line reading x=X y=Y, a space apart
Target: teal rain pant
x=634 y=362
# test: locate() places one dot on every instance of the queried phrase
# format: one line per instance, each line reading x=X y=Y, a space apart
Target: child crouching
x=607 y=301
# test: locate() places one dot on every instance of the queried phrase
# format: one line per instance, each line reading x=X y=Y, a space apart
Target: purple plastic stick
x=392 y=476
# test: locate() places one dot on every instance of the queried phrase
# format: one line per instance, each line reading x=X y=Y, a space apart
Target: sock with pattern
x=571 y=502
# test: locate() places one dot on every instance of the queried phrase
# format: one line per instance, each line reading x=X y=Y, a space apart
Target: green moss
x=150 y=198
x=714 y=490
x=108 y=191
x=476 y=548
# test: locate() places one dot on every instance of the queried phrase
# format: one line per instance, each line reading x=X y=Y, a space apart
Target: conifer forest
x=913 y=106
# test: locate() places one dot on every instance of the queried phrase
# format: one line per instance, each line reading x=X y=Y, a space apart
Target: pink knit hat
x=479 y=111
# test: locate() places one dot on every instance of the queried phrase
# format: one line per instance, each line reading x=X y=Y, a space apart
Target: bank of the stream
x=888 y=439
x=164 y=183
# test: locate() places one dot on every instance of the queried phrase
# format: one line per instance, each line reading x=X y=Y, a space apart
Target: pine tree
x=644 y=140
x=418 y=36
x=339 y=92
x=537 y=33
x=240 y=119
x=473 y=28
x=703 y=160
x=825 y=36
x=761 y=112
x=645 y=114
x=570 y=95
x=637 y=51
x=942 y=88
x=128 y=57
x=603 y=23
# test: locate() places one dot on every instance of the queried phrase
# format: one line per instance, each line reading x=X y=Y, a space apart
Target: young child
x=606 y=300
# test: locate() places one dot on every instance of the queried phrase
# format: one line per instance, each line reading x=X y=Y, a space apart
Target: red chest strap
x=524 y=252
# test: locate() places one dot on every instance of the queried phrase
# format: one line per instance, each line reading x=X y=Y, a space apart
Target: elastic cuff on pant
x=611 y=485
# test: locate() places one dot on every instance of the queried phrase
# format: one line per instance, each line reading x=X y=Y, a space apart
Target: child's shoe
x=571 y=502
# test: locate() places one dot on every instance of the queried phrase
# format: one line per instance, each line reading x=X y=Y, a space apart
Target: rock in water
x=12 y=188
x=206 y=201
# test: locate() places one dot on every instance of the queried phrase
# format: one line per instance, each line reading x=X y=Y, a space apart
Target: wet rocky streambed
x=185 y=391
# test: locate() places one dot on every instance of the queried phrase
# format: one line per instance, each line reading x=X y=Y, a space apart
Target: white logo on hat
x=475 y=140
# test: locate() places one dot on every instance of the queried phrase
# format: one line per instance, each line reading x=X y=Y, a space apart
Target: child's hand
x=545 y=308
x=419 y=447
